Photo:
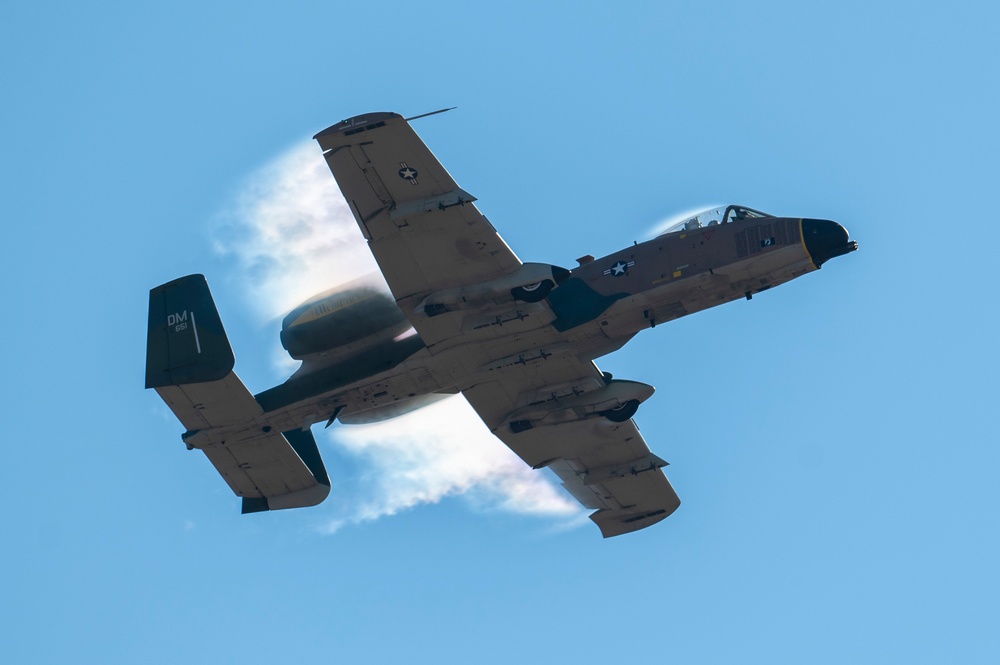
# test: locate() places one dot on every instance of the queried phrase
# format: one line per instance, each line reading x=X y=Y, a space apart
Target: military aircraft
x=465 y=315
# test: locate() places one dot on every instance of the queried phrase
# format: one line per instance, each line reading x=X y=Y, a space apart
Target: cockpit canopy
x=715 y=216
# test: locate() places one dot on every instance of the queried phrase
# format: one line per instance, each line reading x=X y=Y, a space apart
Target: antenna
x=424 y=115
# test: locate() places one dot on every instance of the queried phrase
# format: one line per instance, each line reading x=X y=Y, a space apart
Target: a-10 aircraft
x=465 y=315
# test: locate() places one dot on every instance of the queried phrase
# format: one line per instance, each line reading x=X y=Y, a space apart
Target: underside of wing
x=580 y=427
x=425 y=232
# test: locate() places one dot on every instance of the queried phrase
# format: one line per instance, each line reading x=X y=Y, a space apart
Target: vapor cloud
x=292 y=236
x=443 y=450
x=292 y=233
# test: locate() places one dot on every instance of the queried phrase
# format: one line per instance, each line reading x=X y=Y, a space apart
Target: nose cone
x=825 y=239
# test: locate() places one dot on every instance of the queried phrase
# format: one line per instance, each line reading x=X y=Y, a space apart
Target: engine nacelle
x=530 y=283
x=617 y=401
x=357 y=314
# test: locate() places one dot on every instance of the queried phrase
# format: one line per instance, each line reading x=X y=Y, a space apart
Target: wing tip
x=619 y=522
x=358 y=123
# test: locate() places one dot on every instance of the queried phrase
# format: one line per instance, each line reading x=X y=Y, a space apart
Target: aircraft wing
x=423 y=230
x=605 y=465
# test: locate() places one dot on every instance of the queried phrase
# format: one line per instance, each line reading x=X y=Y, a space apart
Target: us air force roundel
x=406 y=173
x=619 y=269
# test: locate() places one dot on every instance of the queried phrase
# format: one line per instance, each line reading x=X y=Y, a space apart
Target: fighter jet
x=465 y=315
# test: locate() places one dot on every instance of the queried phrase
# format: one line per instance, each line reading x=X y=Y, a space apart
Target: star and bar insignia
x=619 y=269
x=407 y=173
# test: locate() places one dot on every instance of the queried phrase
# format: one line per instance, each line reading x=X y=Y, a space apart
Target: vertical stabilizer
x=186 y=342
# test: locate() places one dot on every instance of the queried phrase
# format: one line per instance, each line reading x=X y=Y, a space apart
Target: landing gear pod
x=532 y=282
x=533 y=292
x=617 y=401
x=621 y=413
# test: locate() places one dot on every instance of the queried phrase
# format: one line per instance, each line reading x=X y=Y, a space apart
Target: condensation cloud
x=292 y=236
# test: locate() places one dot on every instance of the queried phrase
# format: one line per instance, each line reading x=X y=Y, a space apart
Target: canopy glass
x=715 y=216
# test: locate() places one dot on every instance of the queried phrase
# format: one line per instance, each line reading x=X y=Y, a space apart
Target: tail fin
x=186 y=342
x=189 y=362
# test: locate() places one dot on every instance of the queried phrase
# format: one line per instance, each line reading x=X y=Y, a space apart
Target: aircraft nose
x=825 y=239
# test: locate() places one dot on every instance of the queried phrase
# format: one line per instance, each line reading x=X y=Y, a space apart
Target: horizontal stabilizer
x=304 y=444
x=269 y=470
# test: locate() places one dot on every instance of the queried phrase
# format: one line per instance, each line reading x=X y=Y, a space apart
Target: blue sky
x=833 y=441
